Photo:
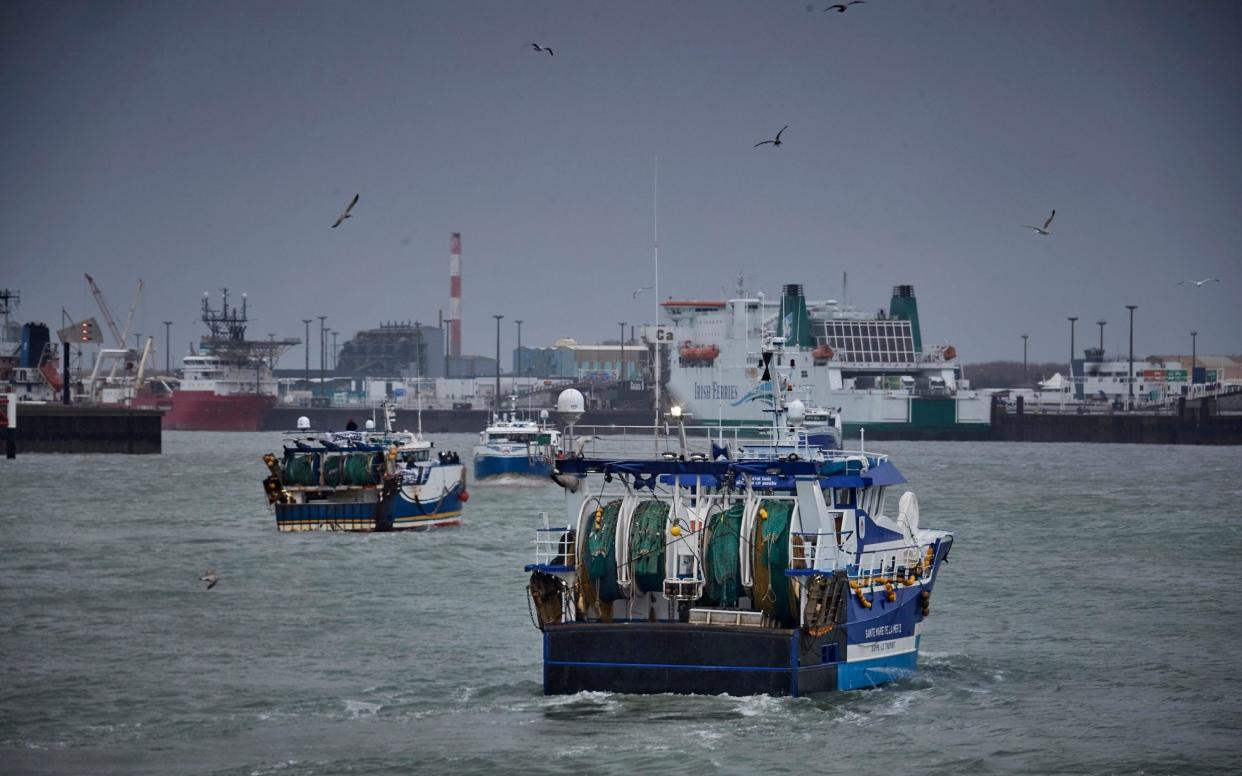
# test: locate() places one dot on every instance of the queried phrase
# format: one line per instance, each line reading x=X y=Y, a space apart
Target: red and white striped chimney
x=454 y=321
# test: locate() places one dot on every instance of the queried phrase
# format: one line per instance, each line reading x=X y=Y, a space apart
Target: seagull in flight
x=775 y=142
x=840 y=7
x=1197 y=283
x=539 y=48
x=346 y=214
x=1042 y=229
x=210 y=578
x=644 y=288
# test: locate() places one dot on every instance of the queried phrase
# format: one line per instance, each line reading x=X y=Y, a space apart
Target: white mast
x=655 y=248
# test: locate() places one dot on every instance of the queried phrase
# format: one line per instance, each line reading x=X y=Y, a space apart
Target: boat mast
x=655 y=249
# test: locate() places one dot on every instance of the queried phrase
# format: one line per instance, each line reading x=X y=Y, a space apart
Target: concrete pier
x=56 y=428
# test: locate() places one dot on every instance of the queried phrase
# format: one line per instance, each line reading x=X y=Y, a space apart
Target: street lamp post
x=517 y=366
x=167 y=348
x=497 y=401
x=323 y=346
x=1024 y=339
x=621 y=367
x=1194 y=353
x=334 y=350
x=1072 y=319
x=307 y=321
x=1131 y=308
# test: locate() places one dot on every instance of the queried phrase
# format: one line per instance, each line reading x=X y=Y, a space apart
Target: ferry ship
x=227 y=385
x=720 y=566
x=516 y=446
x=368 y=480
x=875 y=368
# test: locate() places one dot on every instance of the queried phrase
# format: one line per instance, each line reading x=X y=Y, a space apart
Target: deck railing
x=555 y=549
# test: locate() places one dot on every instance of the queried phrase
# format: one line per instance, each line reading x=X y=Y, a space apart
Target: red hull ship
x=206 y=411
x=228 y=384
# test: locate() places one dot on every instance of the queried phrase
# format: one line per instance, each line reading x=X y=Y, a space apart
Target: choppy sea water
x=1088 y=622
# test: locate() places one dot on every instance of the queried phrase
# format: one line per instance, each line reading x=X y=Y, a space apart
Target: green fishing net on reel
x=300 y=470
x=602 y=553
x=333 y=470
x=772 y=552
x=647 y=545
x=723 y=581
x=360 y=469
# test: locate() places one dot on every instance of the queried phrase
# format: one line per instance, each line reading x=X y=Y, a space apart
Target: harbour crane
x=107 y=312
x=122 y=351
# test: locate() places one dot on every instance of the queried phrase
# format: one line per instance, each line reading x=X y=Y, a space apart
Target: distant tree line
x=1008 y=374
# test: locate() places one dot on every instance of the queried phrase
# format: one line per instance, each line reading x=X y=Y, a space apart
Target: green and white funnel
x=904 y=307
x=795 y=323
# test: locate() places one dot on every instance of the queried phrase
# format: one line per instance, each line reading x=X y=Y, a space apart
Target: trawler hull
x=408 y=513
x=645 y=658
x=873 y=647
x=490 y=464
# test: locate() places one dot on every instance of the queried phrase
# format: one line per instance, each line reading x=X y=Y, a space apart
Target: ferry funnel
x=795 y=323
x=904 y=307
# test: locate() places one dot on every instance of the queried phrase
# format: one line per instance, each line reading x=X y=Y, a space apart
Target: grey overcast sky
x=197 y=145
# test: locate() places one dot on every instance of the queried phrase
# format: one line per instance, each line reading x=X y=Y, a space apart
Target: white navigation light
x=571 y=405
x=796 y=411
x=675 y=411
x=303 y=423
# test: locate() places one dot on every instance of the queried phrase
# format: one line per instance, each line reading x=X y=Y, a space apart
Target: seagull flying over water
x=210 y=578
x=346 y=214
x=644 y=288
x=840 y=7
x=1198 y=283
x=775 y=142
x=539 y=48
x=1044 y=229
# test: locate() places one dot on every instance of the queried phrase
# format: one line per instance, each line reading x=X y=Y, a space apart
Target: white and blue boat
x=516 y=446
x=369 y=480
x=696 y=566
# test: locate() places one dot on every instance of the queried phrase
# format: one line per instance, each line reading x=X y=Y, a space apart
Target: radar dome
x=370 y=425
x=303 y=423
x=571 y=405
x=796 y=411
x=543 y=414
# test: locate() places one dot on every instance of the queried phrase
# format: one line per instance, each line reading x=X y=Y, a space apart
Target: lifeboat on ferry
x=822 y=353
x=693 y=353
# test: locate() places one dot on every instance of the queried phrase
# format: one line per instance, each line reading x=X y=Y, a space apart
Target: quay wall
x=57 y=428
x=1197 y=423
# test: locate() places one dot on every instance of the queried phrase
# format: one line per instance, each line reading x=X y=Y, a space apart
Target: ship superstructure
x=873 y=366
x=227 y=384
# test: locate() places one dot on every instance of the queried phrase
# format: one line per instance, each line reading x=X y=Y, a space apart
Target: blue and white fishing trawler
x=369 y=480
x=516 y=446
x=701 y=565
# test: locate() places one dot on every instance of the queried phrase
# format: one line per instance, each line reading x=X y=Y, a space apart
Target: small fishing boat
x=700 y=564
x=368 y=480
x=516 y=446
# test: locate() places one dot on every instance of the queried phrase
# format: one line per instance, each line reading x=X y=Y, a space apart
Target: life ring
x=793 y=457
